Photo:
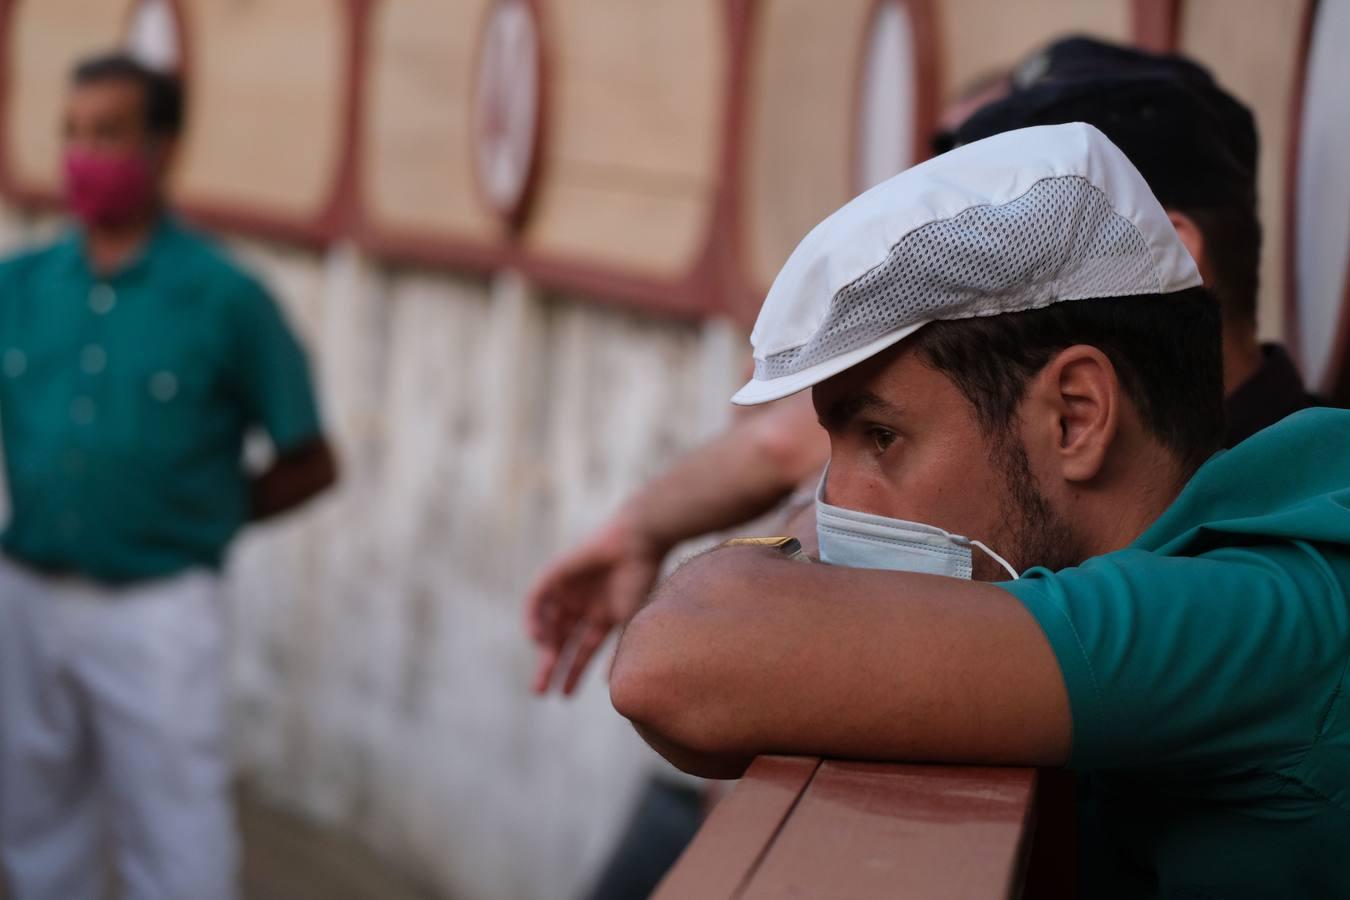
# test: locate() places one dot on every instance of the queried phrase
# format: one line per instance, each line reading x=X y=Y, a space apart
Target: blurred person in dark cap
x=1197 y=146
x=134 y=358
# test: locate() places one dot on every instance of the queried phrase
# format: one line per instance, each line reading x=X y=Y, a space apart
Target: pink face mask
x=106 y=190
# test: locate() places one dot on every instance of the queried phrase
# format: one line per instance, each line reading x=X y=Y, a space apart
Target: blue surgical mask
x=865 y=541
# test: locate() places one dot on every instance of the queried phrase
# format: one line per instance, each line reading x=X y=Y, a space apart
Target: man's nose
x=847 y=488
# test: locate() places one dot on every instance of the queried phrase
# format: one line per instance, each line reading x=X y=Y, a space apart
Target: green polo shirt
x=125 y=399
x=1206 y=670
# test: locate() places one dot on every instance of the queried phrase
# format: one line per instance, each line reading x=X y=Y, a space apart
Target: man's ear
x=1080 y=393
x=1192 y=238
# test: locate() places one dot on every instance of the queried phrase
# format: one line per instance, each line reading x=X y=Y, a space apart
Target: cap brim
x=756 y=391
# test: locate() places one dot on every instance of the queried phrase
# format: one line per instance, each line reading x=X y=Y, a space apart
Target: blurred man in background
x=134 y=357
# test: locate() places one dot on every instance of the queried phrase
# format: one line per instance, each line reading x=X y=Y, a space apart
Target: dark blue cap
x=1194 y=143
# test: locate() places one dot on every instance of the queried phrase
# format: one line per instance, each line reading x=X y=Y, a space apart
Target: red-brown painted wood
x=866 y=830
x=741 y=829
x=798 y=827
x=1155 y=24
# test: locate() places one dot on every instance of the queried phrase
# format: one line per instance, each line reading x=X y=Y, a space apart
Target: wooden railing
x=797 y=827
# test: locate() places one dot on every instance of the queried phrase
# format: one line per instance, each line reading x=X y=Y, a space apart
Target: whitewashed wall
x=380 y=667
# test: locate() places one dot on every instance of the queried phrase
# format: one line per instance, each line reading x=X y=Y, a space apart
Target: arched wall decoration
x=714 y=280
x=483 y=244
x=980 y=38
x=774 y=208
x=1317 y=257
x=220 y=213
x=30 y=174
x=326 y=216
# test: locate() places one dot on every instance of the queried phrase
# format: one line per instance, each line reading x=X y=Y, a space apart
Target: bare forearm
x=294 y=478
x=740 y=475
x=751 y=654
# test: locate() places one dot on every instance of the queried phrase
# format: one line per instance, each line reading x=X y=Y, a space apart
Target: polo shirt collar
x=160 y=232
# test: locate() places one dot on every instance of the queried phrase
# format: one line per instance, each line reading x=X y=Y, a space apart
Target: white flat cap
x=1014 y=222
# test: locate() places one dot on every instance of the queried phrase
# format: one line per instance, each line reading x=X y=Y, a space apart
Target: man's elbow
x=657 y=686
x=641 y=683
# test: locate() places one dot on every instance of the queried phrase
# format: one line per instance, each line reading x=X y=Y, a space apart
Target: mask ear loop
x=998 y=559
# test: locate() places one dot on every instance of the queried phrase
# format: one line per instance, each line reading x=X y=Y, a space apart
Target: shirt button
x=15 y=363
x=102 y=299
x=93 y=359
x=82 y=411
x=164 y=386
x=73 y=460
x=70 y=525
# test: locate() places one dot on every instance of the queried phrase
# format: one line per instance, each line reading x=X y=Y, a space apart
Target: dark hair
x=1233 y=247
x=1165 y=349
x=163 y=93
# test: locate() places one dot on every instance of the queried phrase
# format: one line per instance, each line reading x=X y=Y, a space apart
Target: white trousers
x=112 y=739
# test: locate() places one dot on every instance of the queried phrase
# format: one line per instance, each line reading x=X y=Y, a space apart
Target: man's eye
x=881 y=438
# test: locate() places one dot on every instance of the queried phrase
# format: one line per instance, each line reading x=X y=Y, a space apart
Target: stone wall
x=380 y=669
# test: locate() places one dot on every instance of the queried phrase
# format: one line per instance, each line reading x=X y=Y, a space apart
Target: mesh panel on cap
x=1061 y=240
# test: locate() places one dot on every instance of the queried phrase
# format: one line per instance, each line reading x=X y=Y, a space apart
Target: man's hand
x=732 y=479
x=297 y=475
x=583 y=595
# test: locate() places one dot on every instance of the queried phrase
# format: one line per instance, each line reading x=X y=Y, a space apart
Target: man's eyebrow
x=847 y=408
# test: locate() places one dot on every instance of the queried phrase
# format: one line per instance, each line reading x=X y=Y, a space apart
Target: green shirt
x=1206 y=667
x=125 y=400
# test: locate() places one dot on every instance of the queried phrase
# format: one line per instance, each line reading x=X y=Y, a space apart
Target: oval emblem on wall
x=508 y=106
x=154 y=35
x=885 y=139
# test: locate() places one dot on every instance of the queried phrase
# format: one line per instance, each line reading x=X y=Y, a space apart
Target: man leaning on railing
x=1019 y=371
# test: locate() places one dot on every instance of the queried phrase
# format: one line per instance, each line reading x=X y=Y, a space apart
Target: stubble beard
x=1034 y=534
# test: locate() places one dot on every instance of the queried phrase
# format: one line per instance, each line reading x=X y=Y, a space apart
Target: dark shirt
x=1275 y=391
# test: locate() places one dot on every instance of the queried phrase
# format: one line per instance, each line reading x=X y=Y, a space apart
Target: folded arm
x=741 y=652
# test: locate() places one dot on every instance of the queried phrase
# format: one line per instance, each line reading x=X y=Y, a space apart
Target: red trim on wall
x=716 y=282
x=746 y=296
x=313 y=232
x=1156 y=24
x=694 y=293
x=255 y=221
x=345 y=205
x=928 y=75
x=727 y=289
x=9 y=185
x=38 y=197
